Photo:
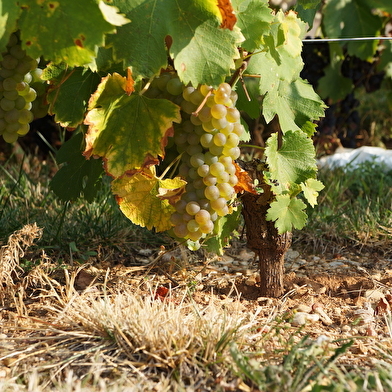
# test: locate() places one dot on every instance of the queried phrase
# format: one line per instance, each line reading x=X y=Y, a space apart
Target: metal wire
x=318 y=40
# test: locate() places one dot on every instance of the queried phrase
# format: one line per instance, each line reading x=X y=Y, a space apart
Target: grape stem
x=252 y=146
x=176 y=160
x=203 y=102
x=146 y=87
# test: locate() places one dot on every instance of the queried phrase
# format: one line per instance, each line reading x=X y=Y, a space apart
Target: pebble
x=301 y=318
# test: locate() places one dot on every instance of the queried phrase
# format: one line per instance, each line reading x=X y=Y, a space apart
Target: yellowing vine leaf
x=128 y=131
x=311 y=187
x=140 y=200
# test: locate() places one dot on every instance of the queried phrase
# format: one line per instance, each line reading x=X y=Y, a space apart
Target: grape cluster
x=207 y=140
x=16 y=95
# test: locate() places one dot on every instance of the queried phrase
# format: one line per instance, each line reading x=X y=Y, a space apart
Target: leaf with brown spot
x=228 y=16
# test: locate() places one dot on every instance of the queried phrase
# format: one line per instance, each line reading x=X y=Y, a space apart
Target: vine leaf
x=68 y=98
x=138 y=198
x=129 y=132
x=202 y=52
x=9 y=14
x=228 y=17
x=245 y=183
x=311 y=187
x=367 y=24
x=223 y=231
x=295 y=104
x=254 y=19
x=73 y=37
x=287 y=213
x=77 y=175
x=293 y=162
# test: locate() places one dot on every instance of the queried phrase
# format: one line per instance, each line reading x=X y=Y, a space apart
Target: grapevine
x=16 y=94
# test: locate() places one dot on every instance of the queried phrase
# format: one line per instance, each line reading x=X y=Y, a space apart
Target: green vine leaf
x=69 y=97
x=287 y=213
x=254 y=18
x=138 y=198
x=367 y=24
x=129 y=132
x=311 y=187
x=295 y=103
x=9 y=14
x=291 y=163
x=77 y=175
x=202 y=52
x=73 y=37
x=223 y=231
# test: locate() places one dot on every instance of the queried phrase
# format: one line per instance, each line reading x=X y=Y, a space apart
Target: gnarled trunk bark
x=263 y=238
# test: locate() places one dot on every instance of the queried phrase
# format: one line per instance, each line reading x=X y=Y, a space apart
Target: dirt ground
x=327 y=297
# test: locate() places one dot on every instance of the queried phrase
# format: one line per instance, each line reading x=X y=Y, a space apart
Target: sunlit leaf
x=137 y=196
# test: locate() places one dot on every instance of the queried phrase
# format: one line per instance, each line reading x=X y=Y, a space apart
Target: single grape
x=180 y=206
x=196 y=97
x=10 y=137
x=210 y=180
x=9 y=62
x=206 y=140
x=216 y=168
x=219 y=203
x=204 y=89
x=31 y=95
x=17 y=52
x=219 y=139
x=219 y=124
x=9 y=84
x=11 y=95
x=195 y=120
x=211 y=192
x=181 y=230
x=12 y=116
x=223 y=177
x=6 y=104
x=25 y=116
x=225 y=190
x=210 y=158
x=195 y=236
x=218 y=111
x=203 y=170
x=197 y=160
x=193 y=139
x=23 y=129
x=202 y=217
x=192 y=226
x=162 y=81
x=205 y=114
x=187 y=92
x=174 y=86
x=192 y=208
x=207 y=227
x=233 y=115
x=176 y=218
x=232 y=140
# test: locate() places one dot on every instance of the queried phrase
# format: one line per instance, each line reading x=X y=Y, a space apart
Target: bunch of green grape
x=16 y=95
x=207 y=140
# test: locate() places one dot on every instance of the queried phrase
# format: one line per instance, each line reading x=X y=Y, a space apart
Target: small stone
x=304 y=308
x=345 y=328
x=251 y=281
x=301 y=318
x=335 y=264
x=374 y=294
